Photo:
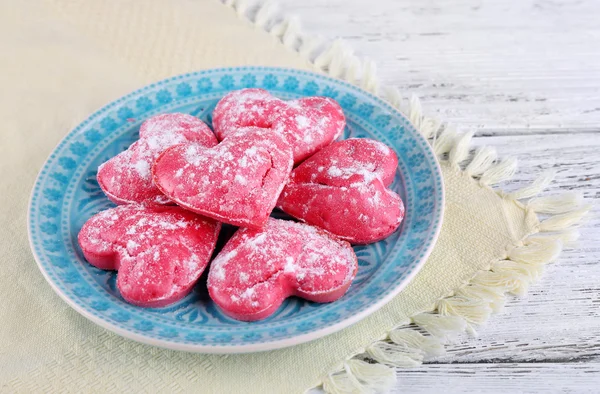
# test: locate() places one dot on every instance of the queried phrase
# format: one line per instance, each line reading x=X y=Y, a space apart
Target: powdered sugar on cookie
x=160 y=252
x=127 y=177
x=307 y=124
x=344 y=190
x=236 y=182
x=258 y=269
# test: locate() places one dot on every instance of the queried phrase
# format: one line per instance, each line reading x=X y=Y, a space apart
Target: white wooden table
x=526 y=75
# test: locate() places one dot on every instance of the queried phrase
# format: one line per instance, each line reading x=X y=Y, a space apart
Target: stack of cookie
x=181 y=180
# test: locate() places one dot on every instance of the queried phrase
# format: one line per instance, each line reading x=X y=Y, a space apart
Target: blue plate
x=66 y=194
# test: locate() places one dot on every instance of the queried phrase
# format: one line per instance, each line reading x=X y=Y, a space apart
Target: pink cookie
x=126 y=178
x=258 y=269
x=308 y=124
x=343 y=189
x=236 y=182
x=160 y=252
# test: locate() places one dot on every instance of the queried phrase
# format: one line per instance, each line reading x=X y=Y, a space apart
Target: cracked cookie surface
x=236 y=182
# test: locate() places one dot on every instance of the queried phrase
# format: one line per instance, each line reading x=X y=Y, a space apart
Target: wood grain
x=505 y=378
x=497 y=64
x=525 y=74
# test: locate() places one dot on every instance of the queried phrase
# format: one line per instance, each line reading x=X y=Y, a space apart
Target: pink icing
x=308 y=124
x=258 y=269
x=343 y=189
x=160 y=252
x=127 y=178
x=236 y=182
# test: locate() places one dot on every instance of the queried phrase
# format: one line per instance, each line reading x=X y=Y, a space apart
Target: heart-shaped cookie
x=308 y=124
x=343 y=189
x=127 y=178
x=236 y=182
x=258 y=269
x=160 y=252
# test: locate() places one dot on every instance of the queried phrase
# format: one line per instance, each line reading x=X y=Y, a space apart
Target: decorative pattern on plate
x=66 y=194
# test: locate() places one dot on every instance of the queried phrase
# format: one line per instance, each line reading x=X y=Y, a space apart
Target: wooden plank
x=500 y=378
x=495 y=65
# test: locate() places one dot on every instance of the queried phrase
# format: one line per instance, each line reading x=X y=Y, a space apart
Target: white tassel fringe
x=475 y=311
x=360 y=377
x=565 y=220
x=556 y=204
x=483 y=159
x=264 y=14
x=567 y=237
x=535 y=188
x=444 y=327
x=395 y=355
x=536 y=252
x=429 y=346
x=500 y=172
x=460 y=150
x=444 y=142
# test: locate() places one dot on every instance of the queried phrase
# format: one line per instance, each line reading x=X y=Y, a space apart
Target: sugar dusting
x=143 y=168
x=127 y=178
x=237 y=181
x=354 y=163
x=307 y=124
x=343 y=189
x=254 y=263
x=162 y=252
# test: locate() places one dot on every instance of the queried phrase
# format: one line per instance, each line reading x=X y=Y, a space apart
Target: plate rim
x=259 y=346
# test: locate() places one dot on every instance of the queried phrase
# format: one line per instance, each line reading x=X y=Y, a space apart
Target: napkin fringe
x=360 y=377
x=424 y=335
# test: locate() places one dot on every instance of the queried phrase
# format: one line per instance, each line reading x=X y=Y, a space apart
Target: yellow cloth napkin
x=63 y=59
